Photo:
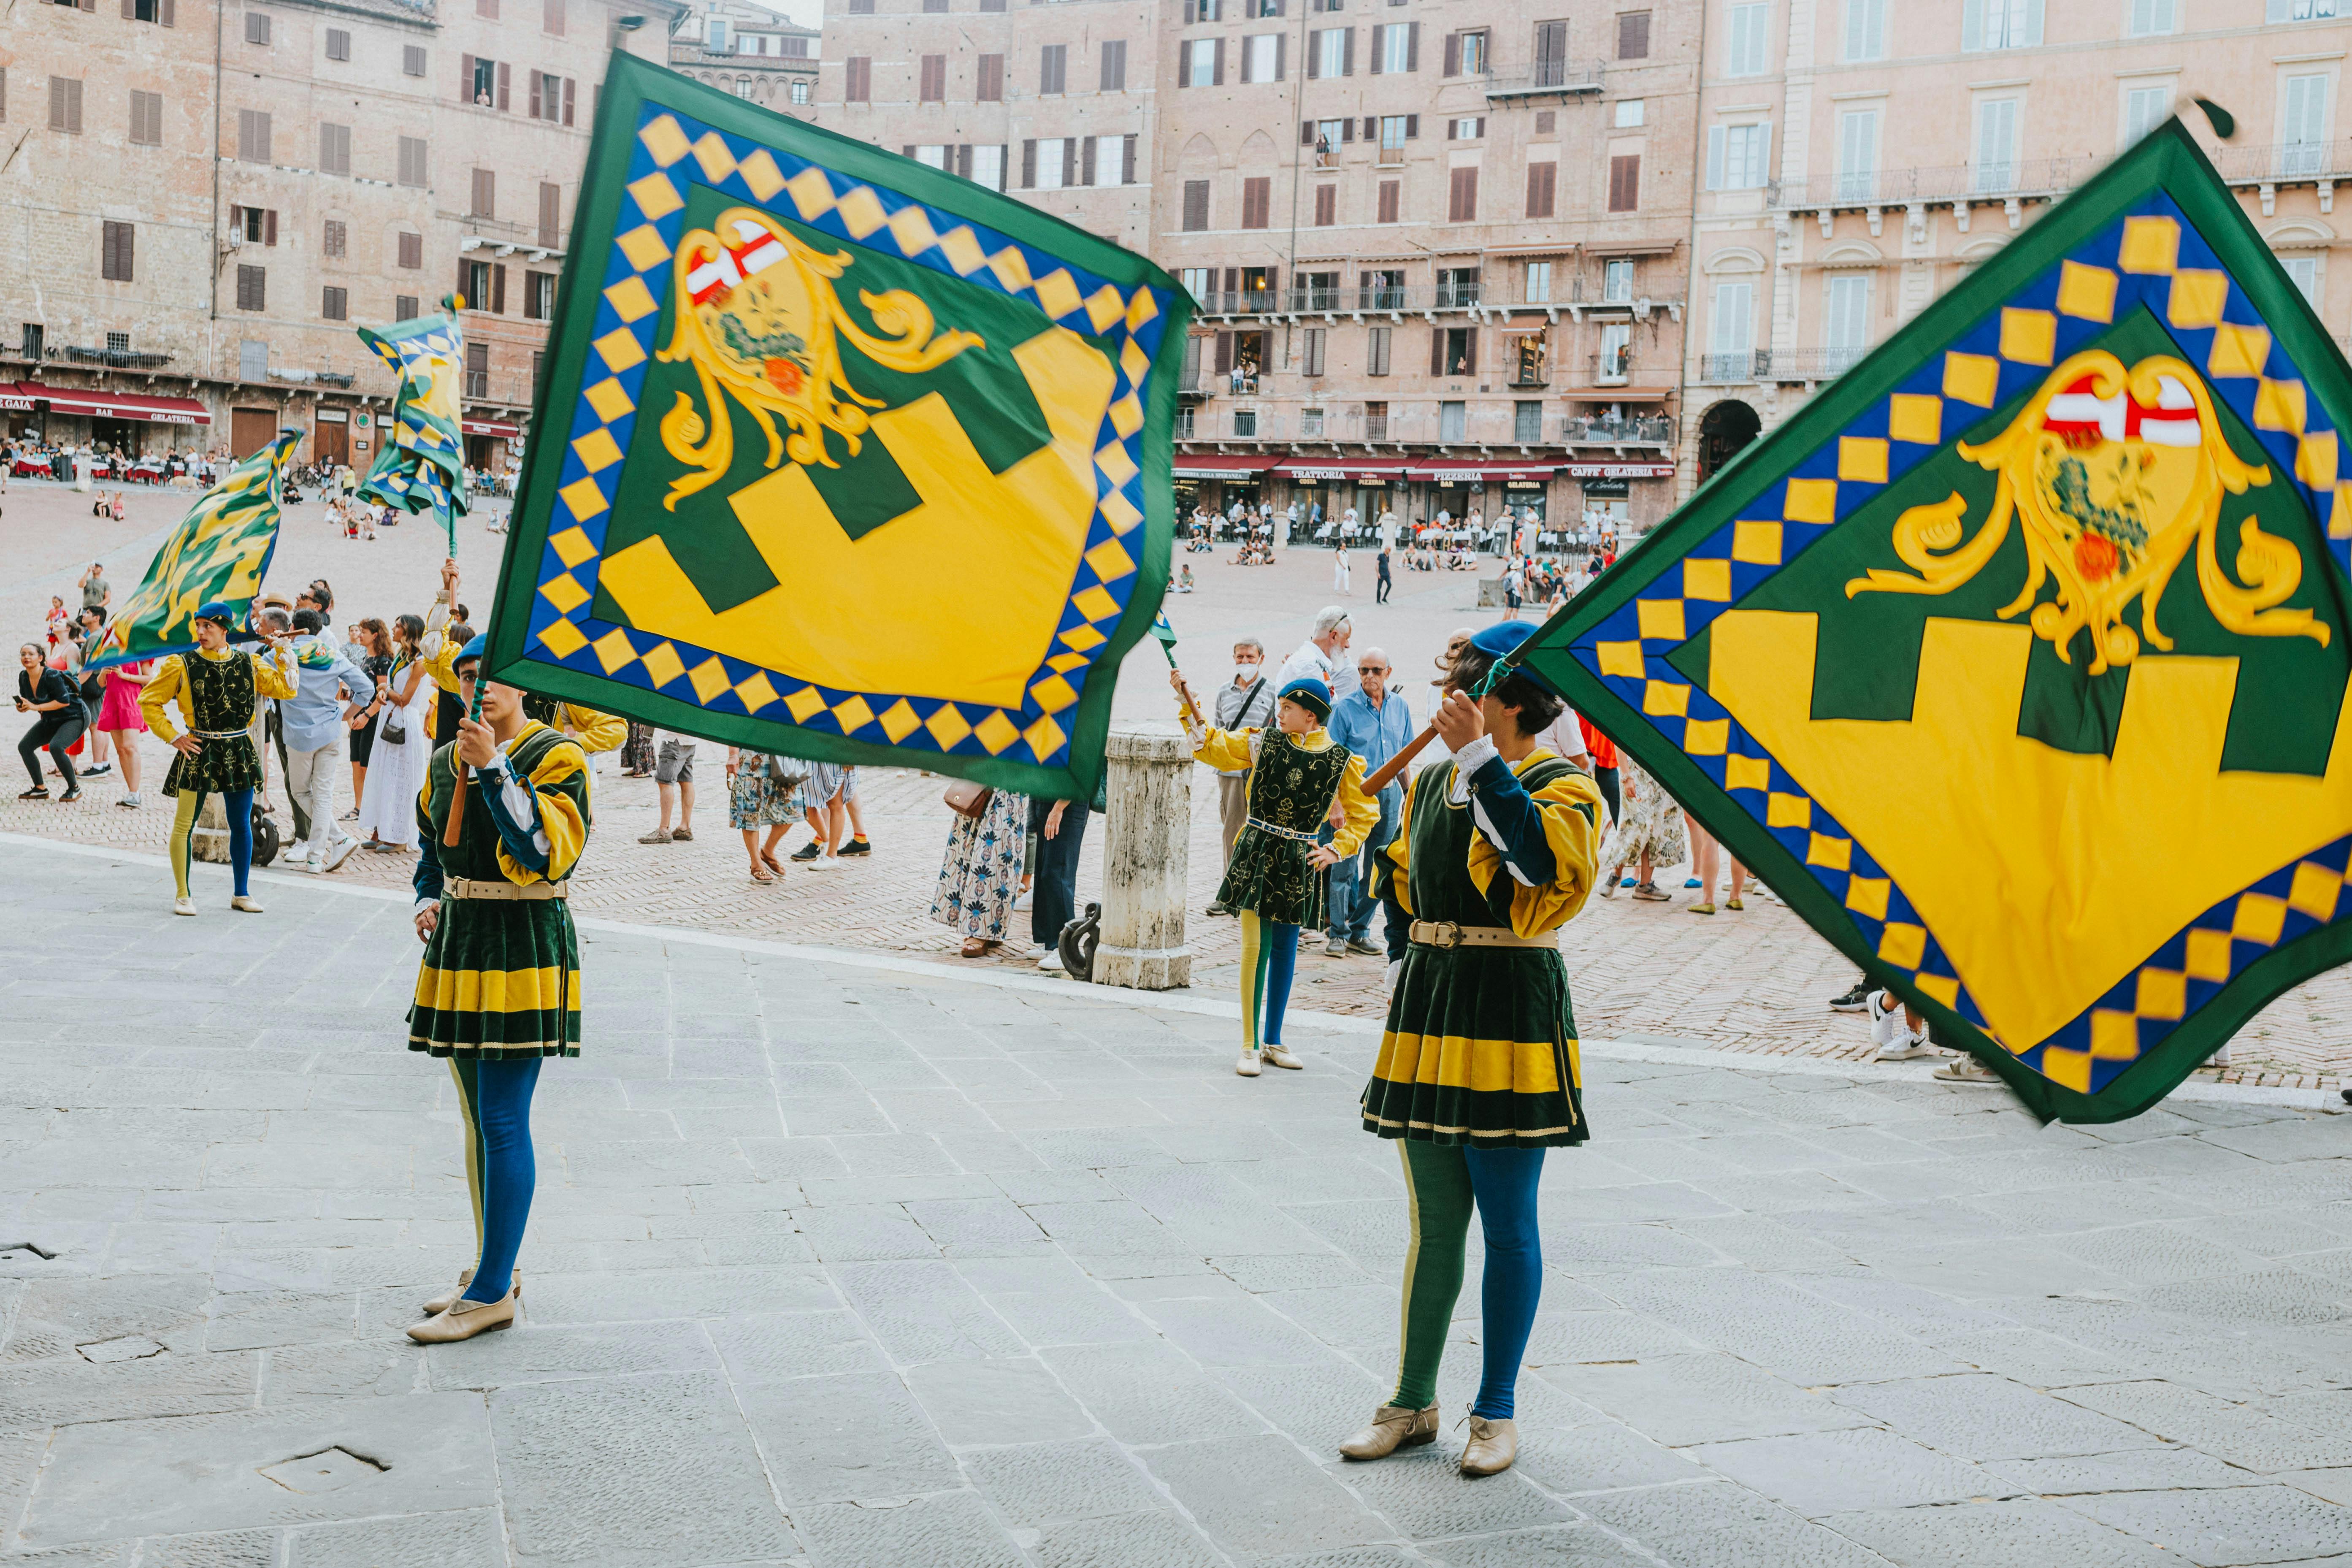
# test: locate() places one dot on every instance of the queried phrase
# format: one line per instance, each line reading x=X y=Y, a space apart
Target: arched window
x=801 y=92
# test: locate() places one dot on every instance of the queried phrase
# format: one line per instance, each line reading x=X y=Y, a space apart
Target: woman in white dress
x=388 y=810
x=1339 y=570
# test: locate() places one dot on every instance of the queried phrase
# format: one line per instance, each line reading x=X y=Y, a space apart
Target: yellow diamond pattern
x=609 y=398
x=2279 y=405
x=1811 y=501
x=656 y=196
x=1916 y=418
x=583 y=498
x=1120 y=513
x=1094 y=603
x=852 y=715
x=1708 y=578
x=1110 y=560
x=1104 y=307
x=756 y=692
x=1010 y=271
x=614 y=651
x=2088 y=293
x=644 y=248
x=1757 y=544
x=2238 y=350
x=898 y=720
x=804 y=704
x=760 y=174
x=1867 y=895
x=912 y=230
x=663 y=665
x=564 y=593
x=2150 y=245
x=711 y=153
x=1044 y=738
x=562 y=639
x=812 y=193
x=964 y=254
x=708 y=678
x=1861 y=458
x=665 y=141
x=861 y=212
x=1058 y=293
x=2195 y=297
x=597 y=449
x=996 y=731
x=630 y=300
x=571 y=547
x=1127 y=416
x=1116 y=465
x=948 y=727
x=619 y=350
x=1053 y=694
x=1140 y=311
x=2029 y=337
x=1084 y=639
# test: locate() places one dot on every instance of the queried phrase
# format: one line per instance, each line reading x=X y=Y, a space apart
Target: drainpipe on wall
x=220 y=11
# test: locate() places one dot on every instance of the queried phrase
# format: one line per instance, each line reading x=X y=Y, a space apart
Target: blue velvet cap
x=1503 y=638
x=472 y=650
x=217 y=611
x=1310 y=694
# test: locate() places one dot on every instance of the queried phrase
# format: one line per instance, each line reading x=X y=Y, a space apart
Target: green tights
x=1444 y=1184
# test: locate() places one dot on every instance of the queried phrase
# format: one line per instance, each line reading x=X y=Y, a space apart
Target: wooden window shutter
x=107 y=248
x=1086 y=163
x=1391 y=200
x=1307 y=133
x=569 y=84
x=1187 y=12
x=1029 y=166
x=465 y=79
x=1347 y=53
x=1217 y=64
x=535 y=113
x=1225 y=350
x=1633 y=35
x=1372 y=127
x=126 y=245
x=551 y=213
x=504 y=75
x=1412 y=47
x=1281 y=53
x=1541 y=178
x=1232 y=279
x=1327 y=205
x=499 y=288
x=465 y=266
x=1348 y=129
x=1437 y=351
x=1625 y=184
x=1411 y=127
x=1453 y=53
x=1127 y=159
x=1470 y=352
x=963 y=161
x=167 y=14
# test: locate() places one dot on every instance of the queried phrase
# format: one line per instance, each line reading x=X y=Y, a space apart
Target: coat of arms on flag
x=220 y=552
x=2017 y=660
x=840 y=456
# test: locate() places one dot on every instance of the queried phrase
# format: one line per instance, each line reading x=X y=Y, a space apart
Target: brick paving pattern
x=1754 y=981
x=830 y=1268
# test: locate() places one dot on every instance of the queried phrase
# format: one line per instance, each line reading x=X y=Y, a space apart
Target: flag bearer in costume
x=1477 y=1072
x=1275 y=880
x=596 y=733
x=219 y=690
x=499 y=987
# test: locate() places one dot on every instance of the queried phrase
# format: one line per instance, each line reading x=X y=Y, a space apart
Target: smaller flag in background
x=423 y=466
x=220 y=552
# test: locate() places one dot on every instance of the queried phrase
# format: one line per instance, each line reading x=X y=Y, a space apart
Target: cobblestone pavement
x=1754 y=981
x=838 y=1268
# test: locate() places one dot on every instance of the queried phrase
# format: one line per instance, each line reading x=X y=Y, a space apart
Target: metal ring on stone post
x=1145 y=860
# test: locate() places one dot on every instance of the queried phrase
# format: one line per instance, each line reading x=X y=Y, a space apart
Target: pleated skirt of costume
x=501 y=978
x=221 y=765
x=1480 y=1048
x=1271 y=875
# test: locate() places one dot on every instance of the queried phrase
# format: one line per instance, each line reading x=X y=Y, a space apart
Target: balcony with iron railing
x=1731 y=369
x=1811 y=364
x=1943 y=185
x=1561 y=78
x=112 y=358
x=1578 y=430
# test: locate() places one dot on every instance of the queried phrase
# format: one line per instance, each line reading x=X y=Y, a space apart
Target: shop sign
x=1607 y=489
x=332 y=416
x=1523 y=484
x=1620 y=470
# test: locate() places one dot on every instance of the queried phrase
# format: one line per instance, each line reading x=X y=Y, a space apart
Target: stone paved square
x=862 y=1260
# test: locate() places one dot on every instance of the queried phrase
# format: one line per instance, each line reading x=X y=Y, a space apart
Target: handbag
x=787 y=773
x=393 y=731
x=967 y=799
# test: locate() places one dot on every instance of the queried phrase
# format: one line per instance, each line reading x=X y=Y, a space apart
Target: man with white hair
x=1318 y=657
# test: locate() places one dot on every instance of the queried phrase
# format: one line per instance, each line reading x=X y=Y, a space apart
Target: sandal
x=976 y=947
x=760 y=875
x=773 y=864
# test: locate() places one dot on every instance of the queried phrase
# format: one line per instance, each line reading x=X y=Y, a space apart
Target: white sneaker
x=130 y=802
x=1280 y=1057
x=1885 y=1017
x=1026 y=900
x=297 y=854
x=823 y=863
x=1247 y=1066
x=1966 y=1069
x=1052 y=962
x=338 y=853
x=2219 y=1059
x=1905 y=1046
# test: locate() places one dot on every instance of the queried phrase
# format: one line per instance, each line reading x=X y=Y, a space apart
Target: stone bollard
x=210 y=839
x=1145 y=860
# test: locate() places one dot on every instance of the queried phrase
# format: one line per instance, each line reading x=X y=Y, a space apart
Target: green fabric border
x=629 y=84
x=2167 y=159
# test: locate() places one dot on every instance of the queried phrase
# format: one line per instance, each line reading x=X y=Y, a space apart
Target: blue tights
x=499 y=1166
x=1445 y=1182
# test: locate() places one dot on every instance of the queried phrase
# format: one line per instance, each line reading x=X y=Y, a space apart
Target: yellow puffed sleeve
x=1361 y=811
x=271 y=678
x=1570 y=807
x=171 y=678
x=1227 y=750
x=443 y=665
x=595 y=731
x=559 y=787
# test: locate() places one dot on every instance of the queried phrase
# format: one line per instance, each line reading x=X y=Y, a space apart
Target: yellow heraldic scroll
x=841 y=456
x=2016 y=660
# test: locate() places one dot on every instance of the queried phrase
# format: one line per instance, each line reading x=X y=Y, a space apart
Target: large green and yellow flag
x=220 y=552
x=422 y=467
x=839 y=455
x=2017 y=660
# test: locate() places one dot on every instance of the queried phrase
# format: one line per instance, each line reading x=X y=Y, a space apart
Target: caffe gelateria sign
x=1619 y=470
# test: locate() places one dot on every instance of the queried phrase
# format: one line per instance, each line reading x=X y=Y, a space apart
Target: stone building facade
x=750 y=51
x=1440 y=253
x=1861 y=155
x=208 y=196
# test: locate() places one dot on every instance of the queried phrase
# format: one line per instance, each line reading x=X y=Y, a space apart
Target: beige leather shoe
x=463 y=1320
x=244 y=904
x=1493 y=1446
x=1393 y=1426
x=1280 y=1057
x=447 y=1299
x=1247 y=1066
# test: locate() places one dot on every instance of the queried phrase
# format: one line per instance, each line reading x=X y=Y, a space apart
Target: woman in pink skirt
x=119 y=719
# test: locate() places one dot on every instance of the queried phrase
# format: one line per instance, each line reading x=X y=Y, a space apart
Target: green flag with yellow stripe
x=220 y=552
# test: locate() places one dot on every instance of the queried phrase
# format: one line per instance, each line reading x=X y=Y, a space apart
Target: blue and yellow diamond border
x=658 y=134
x=2160 y=243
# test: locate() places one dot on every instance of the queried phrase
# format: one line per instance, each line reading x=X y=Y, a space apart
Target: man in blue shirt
x=316 y=723
x=1373 y=722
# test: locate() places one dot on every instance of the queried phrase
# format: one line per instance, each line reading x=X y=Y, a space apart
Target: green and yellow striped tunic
x=500 y=976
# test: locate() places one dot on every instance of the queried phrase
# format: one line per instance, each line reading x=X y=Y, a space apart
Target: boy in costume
x=1296 y=774
x=499 y=986
x=219 y=690
x=1477 y=1073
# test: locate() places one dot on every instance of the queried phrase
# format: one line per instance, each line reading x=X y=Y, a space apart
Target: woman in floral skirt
x=757 y=799
x=1649 y=833
x=981 y=874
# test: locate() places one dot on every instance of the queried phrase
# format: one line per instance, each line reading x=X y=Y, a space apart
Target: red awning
x=17 y=399
x=1481 y=472
x=491 y=427
x=1220 y=466
x=1308 y=469
x=116 y=405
